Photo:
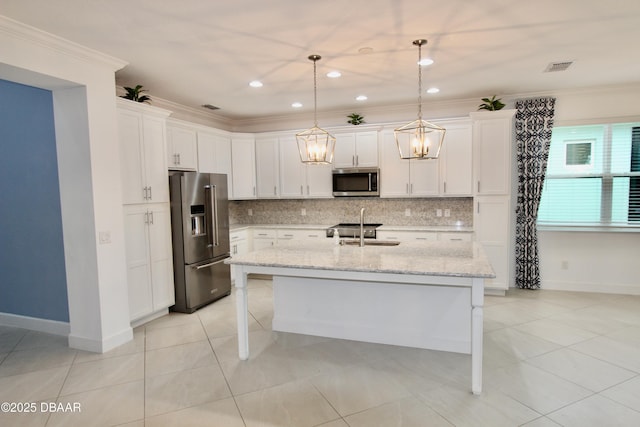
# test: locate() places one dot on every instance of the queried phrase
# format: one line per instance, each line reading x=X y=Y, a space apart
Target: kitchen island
x=425 y=295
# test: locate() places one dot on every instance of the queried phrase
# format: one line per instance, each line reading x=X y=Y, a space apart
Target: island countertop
x=456 y=259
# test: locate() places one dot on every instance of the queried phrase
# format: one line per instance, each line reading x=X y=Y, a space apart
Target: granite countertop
x=458 y=259
x=441 y=228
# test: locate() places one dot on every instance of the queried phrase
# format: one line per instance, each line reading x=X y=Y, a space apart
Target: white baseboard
x=54 y=327
x=101 y=346
x=149 y=318
x=603 y=288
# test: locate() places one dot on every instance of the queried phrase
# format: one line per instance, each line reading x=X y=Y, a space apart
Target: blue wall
x=32 y=271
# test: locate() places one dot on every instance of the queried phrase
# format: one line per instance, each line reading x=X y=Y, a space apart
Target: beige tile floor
x=551 y=358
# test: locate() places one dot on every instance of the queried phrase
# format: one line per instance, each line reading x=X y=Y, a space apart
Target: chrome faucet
x=362 y=227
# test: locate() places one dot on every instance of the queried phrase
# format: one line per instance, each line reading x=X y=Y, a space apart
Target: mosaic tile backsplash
x=423 y=212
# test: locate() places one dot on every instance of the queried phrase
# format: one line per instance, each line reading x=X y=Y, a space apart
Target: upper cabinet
x=142 y=138
x=243 y=166
x=492 y=136
x=356 y=150
x=298 y=180
x=214 y=154
x=267 y=167
x=182 y=149
x=456 y=160
x=449 y=175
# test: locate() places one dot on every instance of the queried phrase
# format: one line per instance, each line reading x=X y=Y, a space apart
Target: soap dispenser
x=336 y=237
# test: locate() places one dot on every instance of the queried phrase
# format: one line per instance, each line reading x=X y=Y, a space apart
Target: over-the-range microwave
x=355 y=182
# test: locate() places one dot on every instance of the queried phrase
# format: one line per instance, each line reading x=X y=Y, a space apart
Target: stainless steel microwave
x=356 y=182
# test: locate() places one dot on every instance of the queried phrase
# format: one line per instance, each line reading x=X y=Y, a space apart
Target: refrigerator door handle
x=208 y=214
x=199 y=267
x=216 y=231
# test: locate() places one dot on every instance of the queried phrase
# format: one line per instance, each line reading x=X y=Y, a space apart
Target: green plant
x=355 y=119
x=135 y=94
x=491 y=104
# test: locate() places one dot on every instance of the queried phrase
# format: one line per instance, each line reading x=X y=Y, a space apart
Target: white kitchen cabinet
x=455 y=236
x=142 y=139
x=299 y=180
x=263 y=238
x=356 y=149
x=493 y=148
x=182 y=146
x=492 y=218
x=456 y=160
x=239 y=244
x=267 y=168
x=243 y=167
x=310 y=234
x=407 y=235
x=149 y=259
x=495 y=191
x=214 y=155
x=405 y=178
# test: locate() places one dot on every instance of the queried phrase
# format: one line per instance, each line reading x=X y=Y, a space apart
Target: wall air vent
x=557 y=66
x=210 y=107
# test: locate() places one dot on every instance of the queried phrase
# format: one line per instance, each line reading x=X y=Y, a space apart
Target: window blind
x=593 y=176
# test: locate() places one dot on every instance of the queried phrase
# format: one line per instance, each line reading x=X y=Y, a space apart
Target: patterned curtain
x=534 y=121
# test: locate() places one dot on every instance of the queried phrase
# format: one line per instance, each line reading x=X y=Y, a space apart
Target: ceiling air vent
x=211 y=107
x=557 y=66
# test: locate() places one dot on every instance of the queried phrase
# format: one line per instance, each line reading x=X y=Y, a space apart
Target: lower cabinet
x=149 y=259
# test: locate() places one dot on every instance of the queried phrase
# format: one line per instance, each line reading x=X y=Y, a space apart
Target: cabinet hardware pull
x=411 y=188
x=478 y=186
x=407 y=189
x=150 y=194
x=275 y=191
x=146 y=217
x=455 y=239
x=445 y=187
x=357 y=160
x=307 y=189
x=144 y=193
x=178 y=158
x=151 y=216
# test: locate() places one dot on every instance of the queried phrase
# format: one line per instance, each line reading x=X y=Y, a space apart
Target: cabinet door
x=319 y=182
x=243 y=168
x=292 y=170
x=456 y=162
x=344 y=155
x=182 y=153
x=366 y=149
x=131 y=157
x=491 y=221
x=423 y=177
x=161 y=256
x=492 y=139
x=394 y=172
x=154 y=158
x=267 y=168
x=137 y=257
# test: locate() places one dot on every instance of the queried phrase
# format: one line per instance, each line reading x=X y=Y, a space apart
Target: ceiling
x=195 y=52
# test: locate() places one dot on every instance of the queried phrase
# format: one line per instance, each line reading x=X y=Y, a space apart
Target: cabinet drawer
x=300 y=234
x=235 y=236
x=455 y=237
x=264 y=233
x=408 y=236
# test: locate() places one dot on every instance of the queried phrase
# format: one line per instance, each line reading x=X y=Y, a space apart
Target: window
x=593 y=176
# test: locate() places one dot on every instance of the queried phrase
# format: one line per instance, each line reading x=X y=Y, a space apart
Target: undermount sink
x=369 y=242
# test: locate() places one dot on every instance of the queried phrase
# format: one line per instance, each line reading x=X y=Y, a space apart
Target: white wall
x=83 y=85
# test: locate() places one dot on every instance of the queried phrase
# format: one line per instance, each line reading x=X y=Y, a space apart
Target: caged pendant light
x=315 y=145
x=419 y=139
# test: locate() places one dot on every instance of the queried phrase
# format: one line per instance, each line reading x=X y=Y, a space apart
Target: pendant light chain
x=315 y=92
x=419 y=43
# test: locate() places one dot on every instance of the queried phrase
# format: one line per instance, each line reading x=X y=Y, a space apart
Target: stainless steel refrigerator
x=200 y=232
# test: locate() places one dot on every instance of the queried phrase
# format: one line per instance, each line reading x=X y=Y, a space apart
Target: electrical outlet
x=303 y=212
x=438 y=212
x=447 y=213
x=104 y=237
x=250 y=212
x=407 y=212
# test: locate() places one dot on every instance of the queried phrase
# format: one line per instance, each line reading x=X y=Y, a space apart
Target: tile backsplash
x=422 y=212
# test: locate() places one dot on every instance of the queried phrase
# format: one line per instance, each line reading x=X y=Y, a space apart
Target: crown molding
x=61 y=46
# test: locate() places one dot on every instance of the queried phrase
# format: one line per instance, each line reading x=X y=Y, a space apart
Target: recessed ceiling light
x=433 y=90
x=296 y=105
x=425 y=61
x=255 y=83
x=361 y=98
x=334 y=74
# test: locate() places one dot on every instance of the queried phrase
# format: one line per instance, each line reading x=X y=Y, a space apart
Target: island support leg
x=477 y=302
x=242 y=310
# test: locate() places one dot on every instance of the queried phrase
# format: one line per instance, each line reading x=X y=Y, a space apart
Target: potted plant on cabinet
x=135 y=94
x=491 y=104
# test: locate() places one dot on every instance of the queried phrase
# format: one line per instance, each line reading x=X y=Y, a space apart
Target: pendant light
x=419 y=139
x=315 y=145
